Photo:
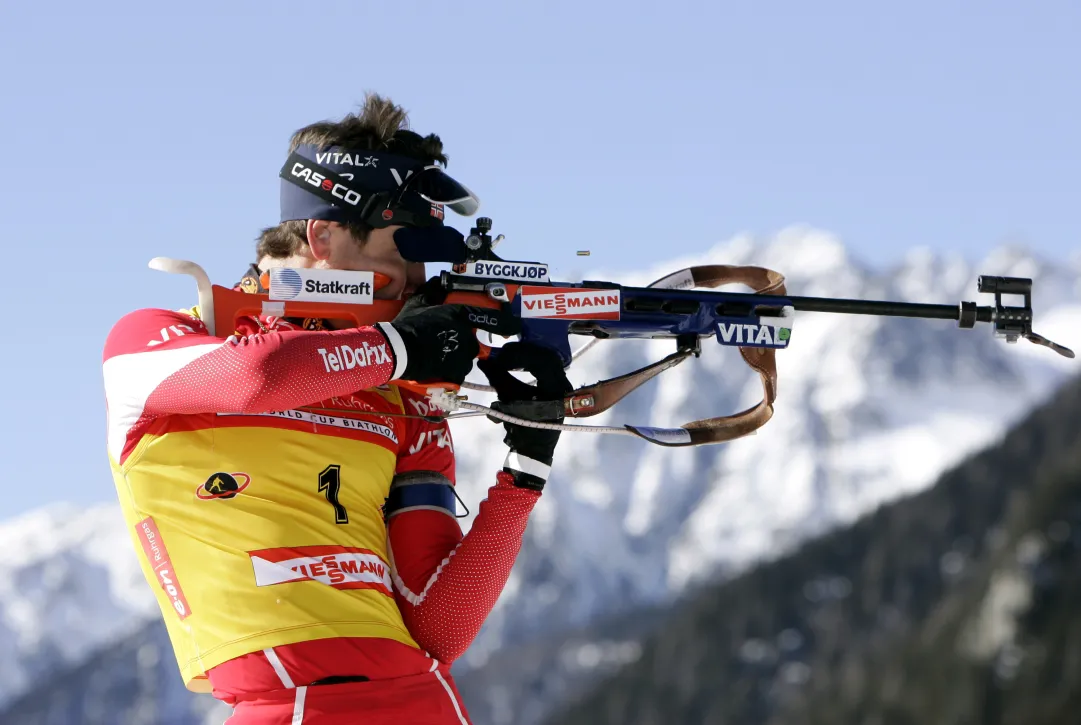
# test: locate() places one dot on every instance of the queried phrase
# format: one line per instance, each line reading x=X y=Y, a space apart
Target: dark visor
x=433 y=184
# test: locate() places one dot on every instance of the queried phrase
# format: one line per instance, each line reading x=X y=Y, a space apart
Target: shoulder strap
x=599 y=397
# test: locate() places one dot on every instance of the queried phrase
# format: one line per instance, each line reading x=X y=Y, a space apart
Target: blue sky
x=636 y=130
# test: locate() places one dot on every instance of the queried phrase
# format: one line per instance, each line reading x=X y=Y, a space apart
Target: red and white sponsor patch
x=570 y=303
x=341 y=567
x=158 y=556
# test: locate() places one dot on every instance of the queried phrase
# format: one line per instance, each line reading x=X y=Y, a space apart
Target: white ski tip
x=202 y=282
x=175 y=266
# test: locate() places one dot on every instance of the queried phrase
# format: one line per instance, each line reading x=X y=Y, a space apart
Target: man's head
x=350 y=243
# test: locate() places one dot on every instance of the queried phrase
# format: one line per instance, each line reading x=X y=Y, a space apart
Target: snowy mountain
x=868 y=409
x=69 y=582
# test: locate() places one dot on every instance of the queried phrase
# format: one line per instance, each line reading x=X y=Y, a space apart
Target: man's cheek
x=415 y=276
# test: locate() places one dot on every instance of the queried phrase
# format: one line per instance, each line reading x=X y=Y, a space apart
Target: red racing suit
x=296 y=519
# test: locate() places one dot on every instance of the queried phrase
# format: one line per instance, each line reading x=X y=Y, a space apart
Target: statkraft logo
x=570 y=303
x=321 y=285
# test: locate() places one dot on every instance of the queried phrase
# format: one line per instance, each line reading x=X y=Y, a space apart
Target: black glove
x=433 y=342
x=531 y=449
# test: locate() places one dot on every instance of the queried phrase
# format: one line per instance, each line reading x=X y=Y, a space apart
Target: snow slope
x=69 y=582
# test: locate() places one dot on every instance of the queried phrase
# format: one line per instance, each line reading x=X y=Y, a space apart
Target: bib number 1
x=330 y=485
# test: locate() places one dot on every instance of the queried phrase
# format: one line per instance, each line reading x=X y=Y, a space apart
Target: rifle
x=683 y=306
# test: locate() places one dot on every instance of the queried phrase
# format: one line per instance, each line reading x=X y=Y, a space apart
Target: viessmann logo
x=570 y=303
x=321 y=285
x=340 y=567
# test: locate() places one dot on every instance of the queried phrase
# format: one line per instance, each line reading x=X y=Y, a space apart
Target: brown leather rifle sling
x=593 y=399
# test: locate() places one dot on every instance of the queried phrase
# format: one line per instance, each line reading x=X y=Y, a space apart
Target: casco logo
x=317 y=180
x=287 y=283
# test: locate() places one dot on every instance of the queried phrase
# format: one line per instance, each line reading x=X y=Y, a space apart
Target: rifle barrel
x=895 y=309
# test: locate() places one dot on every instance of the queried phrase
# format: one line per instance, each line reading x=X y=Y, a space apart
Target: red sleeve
x=447 y=584
x=159 y=362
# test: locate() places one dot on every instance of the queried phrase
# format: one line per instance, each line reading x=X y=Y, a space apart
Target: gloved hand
x=531 y=449
x=433 y=342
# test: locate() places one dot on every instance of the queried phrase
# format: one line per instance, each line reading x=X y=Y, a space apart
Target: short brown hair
x=380 y=124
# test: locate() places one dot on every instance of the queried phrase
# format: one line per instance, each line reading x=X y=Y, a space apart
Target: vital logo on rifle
x=222 y=485
x=321 y=285
x=752 y=335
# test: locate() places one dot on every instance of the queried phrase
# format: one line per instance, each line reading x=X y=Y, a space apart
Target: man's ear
x=319 y=238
